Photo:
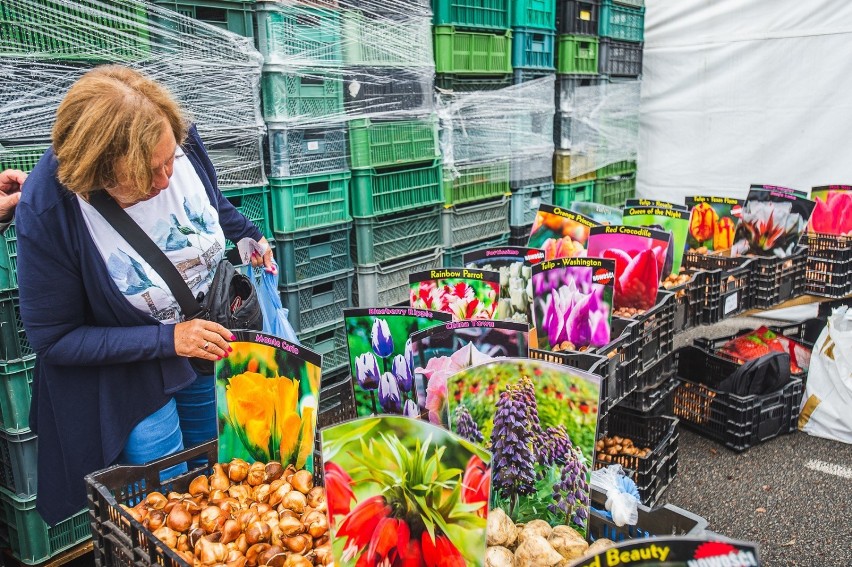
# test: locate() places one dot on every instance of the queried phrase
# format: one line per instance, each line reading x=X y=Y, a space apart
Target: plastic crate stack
x=533 y=39
x=473 y=44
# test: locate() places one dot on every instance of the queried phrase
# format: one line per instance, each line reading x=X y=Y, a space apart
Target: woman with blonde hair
x=112 y=382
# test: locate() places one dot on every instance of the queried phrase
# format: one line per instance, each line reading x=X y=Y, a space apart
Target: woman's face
x=162 y=167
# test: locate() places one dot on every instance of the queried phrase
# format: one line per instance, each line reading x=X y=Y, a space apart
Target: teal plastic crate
x=310 y=201
x=318 y=302
x=577 y=55
x=388 y=238
x=85 y=30
x=454 y=257
x=472 y=14
x=313 y=253
x=371 y=42
x=31 y=540
x=297 y=96
x=539 y=14
x=19 y=463
x=564 y=195
x=14 y=344
x=476 y=181
x=382 y=144
x=525 y=203
x=381 y=285
x=463 y=52
x=384 y=191
x=231 y=15
x=9 y=258
x=471 y=222
x=253 y=203
x=625 y=23
x=614 y=191
x=330 y=342
x=22 y=158
x=299 y=35
x=533 y=49
x=16 y=377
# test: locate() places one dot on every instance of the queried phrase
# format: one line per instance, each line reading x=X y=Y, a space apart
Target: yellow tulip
x=251 y=411
x=306 y=434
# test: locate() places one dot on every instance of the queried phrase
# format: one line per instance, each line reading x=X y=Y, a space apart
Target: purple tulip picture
x=389 y=396
x=381 y=338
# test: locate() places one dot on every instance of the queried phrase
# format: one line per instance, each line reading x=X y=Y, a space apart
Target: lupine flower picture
x=572 y=303
x=666 y=217
x=380 y=358
x=404 y=492
x=712 y=222
x=561 y=233
x=462 y=292
x=641 y=258
x=832 y=210
x=539 y=421
x=441 y=351
x=267 y=393
x=772 y=223
x=515 y=267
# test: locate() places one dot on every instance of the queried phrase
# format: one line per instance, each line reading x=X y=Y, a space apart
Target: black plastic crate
x=376 y=90
x=667 y=520
x=524 y=75
x=728 y=284
x=775 y=280
x=655 y=331
x=828 y=246
x=737 y=422
x=578 y=17
x=620 y=58
x=519 y=235
x=655 y=400
x=336 y=399
x=690 y=298
x=466 y=84
x=659 y=372
x=828 y=284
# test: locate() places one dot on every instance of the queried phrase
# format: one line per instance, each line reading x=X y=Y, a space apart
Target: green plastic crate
x=231 y=15
x=382 y=239
x=32 y=541
x=564 y=195
x=15 y=395
x=316 y=303
x=19 y=463
x=330 y=342
x=300 y=95
x=84 y=30
x=454 y=257
x=625 y=23
x=313 y=253
x=23 y=158
x=310 y=201
x=614 y=191
x=472 y=222
x=384 y=191
x=473 y=14
x=476 y=181
x=13 y=339
x=577 y=55
x=253 y=203
x=371 y=42
x=616 y=169
x=299 y=35
x=387 y=284
x=381 y=144
x=463 y=52
x=525 y=203
x=539 y=14
x=9 y=258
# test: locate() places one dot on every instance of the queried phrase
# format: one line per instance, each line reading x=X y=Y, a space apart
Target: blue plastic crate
x=525 y=202
x=533 y=49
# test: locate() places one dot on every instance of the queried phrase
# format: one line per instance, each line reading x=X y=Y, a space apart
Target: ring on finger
x=206 y=344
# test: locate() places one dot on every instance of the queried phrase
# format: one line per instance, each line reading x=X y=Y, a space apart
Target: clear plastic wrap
x=46 y=45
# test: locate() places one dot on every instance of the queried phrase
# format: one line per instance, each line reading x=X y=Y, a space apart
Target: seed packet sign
x=380 y=358
x=712 y=222
x=667 y=218
x=465 y=293
x=772 y=223
x=266 y=392
x=654 y=203
x=832 y=210
x=641 y=257
x=561 y=233
x=572 y=303
x=676 y=551
x=539 y=420
x=601 y=214
x=404 y=492
x=439 y=352
x=515 y=267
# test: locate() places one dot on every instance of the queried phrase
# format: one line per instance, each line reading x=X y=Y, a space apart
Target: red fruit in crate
x=637 y=286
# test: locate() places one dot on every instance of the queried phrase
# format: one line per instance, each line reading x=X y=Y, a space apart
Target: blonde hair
x=112 y=115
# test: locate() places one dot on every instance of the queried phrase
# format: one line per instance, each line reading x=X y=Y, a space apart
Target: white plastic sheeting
x=744 y=91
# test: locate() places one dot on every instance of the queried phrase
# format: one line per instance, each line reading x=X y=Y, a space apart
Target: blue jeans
x=186 y=420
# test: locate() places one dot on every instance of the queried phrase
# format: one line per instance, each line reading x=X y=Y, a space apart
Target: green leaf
x=338 y=436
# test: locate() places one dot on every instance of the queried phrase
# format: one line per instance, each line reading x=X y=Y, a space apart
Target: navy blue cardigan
x=102 y=365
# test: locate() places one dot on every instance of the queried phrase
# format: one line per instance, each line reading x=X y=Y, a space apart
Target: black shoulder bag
x=231 y=300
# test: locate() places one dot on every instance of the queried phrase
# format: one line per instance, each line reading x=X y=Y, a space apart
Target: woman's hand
x=202 y=339
x=264 y=260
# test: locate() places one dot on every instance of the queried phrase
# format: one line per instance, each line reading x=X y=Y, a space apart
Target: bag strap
x=150 y=252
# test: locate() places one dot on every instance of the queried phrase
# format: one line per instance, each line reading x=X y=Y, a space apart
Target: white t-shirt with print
x=183 y=223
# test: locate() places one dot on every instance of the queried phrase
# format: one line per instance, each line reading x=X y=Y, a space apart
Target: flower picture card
x=515 y=266
x=641 y=260
x=539 y=420
x=666 y=218
x=561 y=233
x=668 y=551
x=832 y=210
x=441 y=351
x=573 y=303
x=601 y=214
x=772 y=223
x=267 y=393
x=712 y=222
x=380 y=361
x=404 y=492
x=465 y=293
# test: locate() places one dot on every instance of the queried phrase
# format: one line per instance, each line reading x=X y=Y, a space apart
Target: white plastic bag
x=622 y=499
x=828 y=394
